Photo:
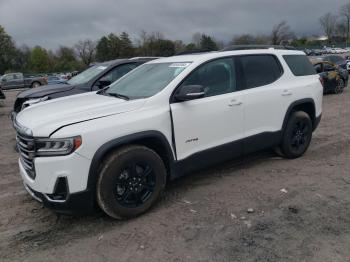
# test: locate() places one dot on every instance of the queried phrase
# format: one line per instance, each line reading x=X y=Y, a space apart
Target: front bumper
x=70 y=197
x=316 y=122
x=77 y=203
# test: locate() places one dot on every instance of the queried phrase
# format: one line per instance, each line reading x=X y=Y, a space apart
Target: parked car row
x=92 y=79
x=117 y=147
x=325 y=51
x=18 y=80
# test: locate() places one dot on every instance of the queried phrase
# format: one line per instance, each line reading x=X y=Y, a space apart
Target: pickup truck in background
x=17 y=80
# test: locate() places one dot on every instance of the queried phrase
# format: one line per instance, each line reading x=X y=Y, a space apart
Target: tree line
x=113 y=46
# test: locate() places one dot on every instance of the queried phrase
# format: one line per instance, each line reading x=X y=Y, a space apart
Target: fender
x=125 y=140
x=296 y=104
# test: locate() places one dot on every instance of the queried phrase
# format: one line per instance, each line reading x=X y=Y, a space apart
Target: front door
x=214 y=121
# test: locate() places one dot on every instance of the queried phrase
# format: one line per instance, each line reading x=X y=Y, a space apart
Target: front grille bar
x=26 y=149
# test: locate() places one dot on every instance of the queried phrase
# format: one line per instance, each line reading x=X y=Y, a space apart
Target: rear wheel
x=130 y=181
x=35 y=84
x=297 y=135
x=339 y=87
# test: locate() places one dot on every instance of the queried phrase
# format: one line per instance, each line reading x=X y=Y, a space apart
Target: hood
x=46 y=117
x=45 y=90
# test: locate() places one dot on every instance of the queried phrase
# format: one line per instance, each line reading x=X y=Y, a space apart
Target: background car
x=92 y=79
x=2 y=95
x=18 y=80
x=331 y=76
x=52 y=80
x=336 y=59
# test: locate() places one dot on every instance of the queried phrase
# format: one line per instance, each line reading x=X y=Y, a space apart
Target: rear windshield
x=299 y=65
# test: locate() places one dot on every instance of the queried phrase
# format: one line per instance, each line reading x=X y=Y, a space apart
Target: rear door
x=213 y=121
x=265 y=100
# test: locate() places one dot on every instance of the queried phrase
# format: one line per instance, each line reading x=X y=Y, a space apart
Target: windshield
x=147 y=80
x=86 y=75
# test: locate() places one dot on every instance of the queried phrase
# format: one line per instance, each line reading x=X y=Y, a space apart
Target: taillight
x=322 y=81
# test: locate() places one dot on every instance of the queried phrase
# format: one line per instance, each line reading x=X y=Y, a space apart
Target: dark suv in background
x=94 y=78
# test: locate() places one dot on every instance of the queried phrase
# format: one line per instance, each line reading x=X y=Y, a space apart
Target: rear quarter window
x=299 y=65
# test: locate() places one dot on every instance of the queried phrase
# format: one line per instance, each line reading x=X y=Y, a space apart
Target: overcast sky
x=51 y=23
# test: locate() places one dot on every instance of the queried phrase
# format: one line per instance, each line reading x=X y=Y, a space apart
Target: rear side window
x=260 y=70
x=299 y=65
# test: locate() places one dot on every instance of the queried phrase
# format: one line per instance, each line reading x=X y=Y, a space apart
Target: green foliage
x=7 y=51
x=39 y=60
x=207 y=43
x=66 y=60
x=112 y=47
x=126 y=48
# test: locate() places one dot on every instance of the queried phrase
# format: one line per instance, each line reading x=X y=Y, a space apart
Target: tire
x=340 y=85
x=35 y=84
x=297 y=135
x=131 y=180
x=278 y=151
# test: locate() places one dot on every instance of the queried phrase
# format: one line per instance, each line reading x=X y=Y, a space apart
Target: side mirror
x=189 y=92
x=103 y=83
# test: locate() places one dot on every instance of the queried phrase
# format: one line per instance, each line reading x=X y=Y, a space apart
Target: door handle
x=287 y=92
x=234 y=102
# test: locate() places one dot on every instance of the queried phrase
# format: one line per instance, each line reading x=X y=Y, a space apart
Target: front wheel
x=130 y=181
x=297 y=135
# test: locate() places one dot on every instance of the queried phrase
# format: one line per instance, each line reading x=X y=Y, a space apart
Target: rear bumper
x=75 y=204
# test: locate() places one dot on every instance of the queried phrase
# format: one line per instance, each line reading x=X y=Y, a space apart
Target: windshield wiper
x=118 y=95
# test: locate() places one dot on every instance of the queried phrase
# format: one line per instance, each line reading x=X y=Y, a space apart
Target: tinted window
x=217 y=77
x=334 y=59
x=318 y=68
x=118 y=72
x=260 y=70
x=299 y=65
x=328 y=67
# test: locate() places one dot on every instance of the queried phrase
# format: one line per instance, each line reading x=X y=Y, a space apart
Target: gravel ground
x=300 y=209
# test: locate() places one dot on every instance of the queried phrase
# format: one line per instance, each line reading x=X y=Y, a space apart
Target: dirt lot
x=202 y=217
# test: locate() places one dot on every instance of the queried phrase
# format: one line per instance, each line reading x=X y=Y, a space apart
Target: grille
x=26 y=148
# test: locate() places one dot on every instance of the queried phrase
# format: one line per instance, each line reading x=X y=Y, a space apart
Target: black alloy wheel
x=297 y=135
x=135 y=184
x=130 y=181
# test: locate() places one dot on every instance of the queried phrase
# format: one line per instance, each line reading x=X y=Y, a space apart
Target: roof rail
x=248 y=47
x=143 y=57
x=189 y=52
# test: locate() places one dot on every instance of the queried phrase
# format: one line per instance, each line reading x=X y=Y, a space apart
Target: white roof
x=199 y=57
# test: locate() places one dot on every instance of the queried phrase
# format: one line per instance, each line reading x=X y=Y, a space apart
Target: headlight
x=34 y=101
x=57 y=146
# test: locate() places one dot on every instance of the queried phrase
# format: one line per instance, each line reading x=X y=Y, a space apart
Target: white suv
x=119 y=146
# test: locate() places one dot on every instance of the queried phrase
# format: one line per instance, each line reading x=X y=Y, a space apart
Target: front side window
x=118 y=72
x=8 y=77
x=87 y=75
x=217 y=77
x=147 y=80
x=328 y=67
x=260 y=70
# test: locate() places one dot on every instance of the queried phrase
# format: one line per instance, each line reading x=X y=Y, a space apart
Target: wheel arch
x=154 y=140
x=32 y=84
x=307 y=105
